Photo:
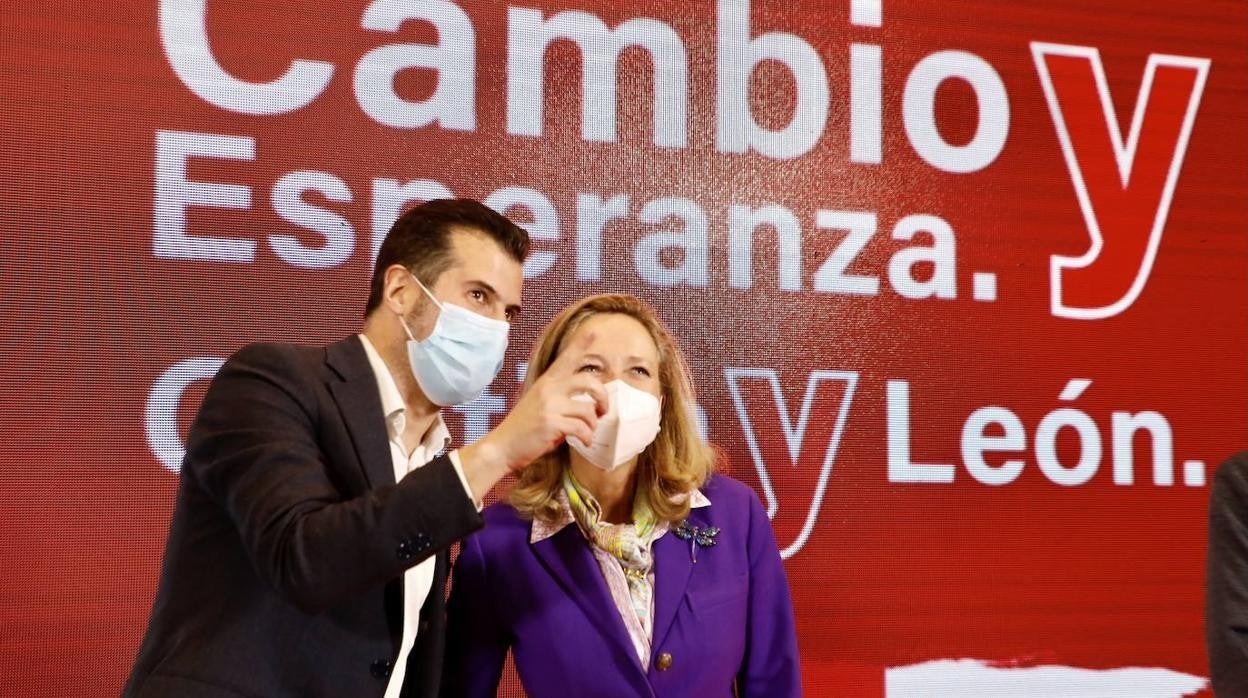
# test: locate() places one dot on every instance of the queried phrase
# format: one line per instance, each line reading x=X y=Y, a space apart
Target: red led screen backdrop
x=964 y=287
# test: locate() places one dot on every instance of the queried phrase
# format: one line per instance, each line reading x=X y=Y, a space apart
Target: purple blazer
x=725 y=620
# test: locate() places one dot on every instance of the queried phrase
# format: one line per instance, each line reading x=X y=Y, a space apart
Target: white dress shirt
x=418 y=580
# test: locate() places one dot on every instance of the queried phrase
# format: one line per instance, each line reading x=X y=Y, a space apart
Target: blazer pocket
x=722 y=592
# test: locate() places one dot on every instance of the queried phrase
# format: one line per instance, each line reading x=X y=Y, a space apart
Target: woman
x=624 y=567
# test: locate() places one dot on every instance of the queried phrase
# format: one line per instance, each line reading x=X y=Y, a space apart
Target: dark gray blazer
x=1226 y=587
x=282 y=570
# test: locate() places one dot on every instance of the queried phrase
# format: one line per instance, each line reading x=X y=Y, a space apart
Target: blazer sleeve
x=1226 y=595
x=476 y=642
x=255 y=451
x=770 y=668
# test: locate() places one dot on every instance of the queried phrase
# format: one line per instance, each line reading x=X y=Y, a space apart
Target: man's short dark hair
x=421 y=240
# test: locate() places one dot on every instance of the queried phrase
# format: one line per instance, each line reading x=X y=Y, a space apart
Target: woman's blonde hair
x=675 y=464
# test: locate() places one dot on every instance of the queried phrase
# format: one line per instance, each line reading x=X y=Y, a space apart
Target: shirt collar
x=395 y=409
x=545 y=529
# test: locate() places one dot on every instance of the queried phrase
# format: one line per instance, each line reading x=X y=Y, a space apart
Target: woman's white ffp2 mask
x=629 y=426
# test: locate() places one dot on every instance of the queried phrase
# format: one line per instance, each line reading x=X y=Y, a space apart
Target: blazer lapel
x=570 y=561
x=359 y=402
x=673 y=566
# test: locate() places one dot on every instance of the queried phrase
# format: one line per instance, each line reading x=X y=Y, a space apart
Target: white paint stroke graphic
x=958 y=678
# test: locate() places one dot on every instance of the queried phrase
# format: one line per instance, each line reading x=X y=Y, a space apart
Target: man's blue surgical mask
x=462 y=355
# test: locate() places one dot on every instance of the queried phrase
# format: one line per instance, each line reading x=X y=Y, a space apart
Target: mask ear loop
x=403 y=320
x=426 y=290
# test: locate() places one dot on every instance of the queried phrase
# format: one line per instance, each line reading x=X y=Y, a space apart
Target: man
x=1226 y=582
x=307 y=555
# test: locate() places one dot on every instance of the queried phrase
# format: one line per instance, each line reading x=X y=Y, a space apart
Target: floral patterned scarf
x=628 y=543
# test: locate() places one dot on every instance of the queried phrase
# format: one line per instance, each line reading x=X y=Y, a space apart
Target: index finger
x=566 y=362
x=581 y=384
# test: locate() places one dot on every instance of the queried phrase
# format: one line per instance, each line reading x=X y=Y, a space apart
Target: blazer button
x=422 y=543
x=380 y=669
x=664 y=661
x=404 y=551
